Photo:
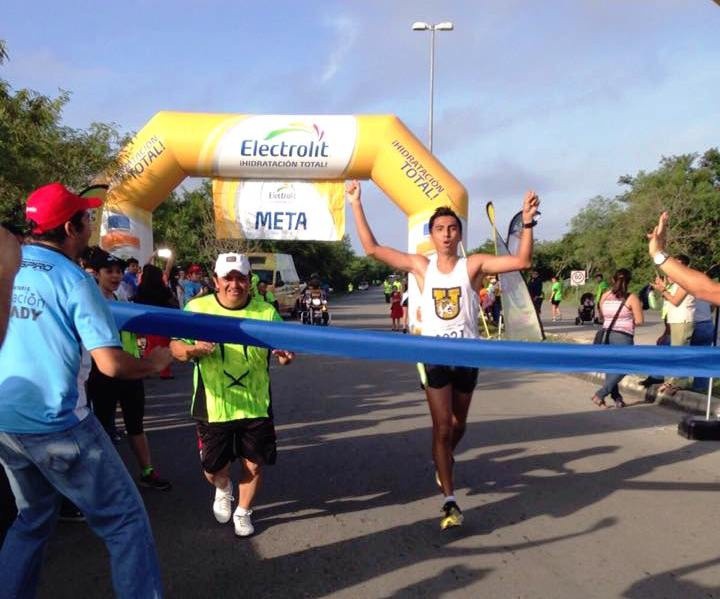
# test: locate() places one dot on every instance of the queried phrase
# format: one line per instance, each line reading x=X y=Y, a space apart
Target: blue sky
x=562 y=96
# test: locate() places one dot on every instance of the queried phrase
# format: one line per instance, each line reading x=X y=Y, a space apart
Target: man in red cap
x=50 y=443
x=191 y=286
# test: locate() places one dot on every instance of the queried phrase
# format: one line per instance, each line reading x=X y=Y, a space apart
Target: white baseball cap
x=226 y=263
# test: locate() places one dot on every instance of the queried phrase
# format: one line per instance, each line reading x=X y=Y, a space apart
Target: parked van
x=278 y=271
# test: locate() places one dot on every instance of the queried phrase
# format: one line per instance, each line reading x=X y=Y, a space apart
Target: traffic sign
x=577 y=278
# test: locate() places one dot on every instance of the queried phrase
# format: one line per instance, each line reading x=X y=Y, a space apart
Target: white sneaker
x=222 y=506
x=243 y=524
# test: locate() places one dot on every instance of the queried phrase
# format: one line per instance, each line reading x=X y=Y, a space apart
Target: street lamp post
x=422 y=26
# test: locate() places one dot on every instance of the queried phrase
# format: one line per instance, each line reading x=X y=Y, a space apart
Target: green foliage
x=608 y=234
x=184 y=223
x=486 y=247
x=37 y=149
x=550 y=258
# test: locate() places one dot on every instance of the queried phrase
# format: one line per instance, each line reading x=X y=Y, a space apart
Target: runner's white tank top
x=448 y=304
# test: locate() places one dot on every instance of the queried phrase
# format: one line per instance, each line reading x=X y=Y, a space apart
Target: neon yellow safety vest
x=233 y=382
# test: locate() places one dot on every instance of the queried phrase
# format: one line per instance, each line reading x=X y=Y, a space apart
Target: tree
x=592 y=233
x=37 y=149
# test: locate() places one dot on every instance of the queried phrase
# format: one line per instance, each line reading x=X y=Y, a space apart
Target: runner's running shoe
x=243 y=524
x=153 y=481
x=452 y=516
x=222 y=506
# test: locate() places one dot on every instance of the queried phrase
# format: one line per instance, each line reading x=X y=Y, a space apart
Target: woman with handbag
x=621 y=312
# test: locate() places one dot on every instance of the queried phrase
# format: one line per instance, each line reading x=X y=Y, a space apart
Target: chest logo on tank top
x=447 y=302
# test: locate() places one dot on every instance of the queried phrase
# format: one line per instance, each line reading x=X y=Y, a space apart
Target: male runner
x=448 y=308
x=231 y=400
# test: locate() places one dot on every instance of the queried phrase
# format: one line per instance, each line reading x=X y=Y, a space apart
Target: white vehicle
x=278 y=271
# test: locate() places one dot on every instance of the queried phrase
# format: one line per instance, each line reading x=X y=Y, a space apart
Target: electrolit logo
x=277 y=145
x=284 y=192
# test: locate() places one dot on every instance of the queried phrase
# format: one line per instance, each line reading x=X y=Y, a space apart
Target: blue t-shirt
x=129 y=282
x=57 y=309
x=190 y=290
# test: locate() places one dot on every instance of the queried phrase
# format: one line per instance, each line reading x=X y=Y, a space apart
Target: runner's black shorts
x=555 y=302
x=462 y=378
x=220 y=443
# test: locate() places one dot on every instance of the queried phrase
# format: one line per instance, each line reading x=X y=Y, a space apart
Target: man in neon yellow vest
x=387 y=290
x=231 y=397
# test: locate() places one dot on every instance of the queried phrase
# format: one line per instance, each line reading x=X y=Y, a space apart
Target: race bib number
x=451 y=333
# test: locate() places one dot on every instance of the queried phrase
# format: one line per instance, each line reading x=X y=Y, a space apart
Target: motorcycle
x=316 y=311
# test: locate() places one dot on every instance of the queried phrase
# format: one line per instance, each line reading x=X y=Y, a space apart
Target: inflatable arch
x=176 y=145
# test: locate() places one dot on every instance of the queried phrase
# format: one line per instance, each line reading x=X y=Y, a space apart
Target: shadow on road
x=355 y=439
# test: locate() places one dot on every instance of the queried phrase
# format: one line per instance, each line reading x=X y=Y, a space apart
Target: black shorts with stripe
x=462 y=378
x=220 y=443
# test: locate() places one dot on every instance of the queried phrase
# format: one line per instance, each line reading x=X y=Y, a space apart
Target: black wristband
x=529 y=225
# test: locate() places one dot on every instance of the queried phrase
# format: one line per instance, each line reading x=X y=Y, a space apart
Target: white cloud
x=346 y=32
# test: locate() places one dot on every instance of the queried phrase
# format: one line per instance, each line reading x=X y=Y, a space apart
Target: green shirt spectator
x=601 y=287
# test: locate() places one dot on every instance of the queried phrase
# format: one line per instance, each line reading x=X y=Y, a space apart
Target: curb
x=684 y=400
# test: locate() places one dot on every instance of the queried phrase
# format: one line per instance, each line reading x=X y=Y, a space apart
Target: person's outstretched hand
x=658 y=238
x=284 y=356
x=352 y=191
x=531 y=204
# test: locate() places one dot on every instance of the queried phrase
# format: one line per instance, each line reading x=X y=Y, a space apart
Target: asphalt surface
x=560 y=499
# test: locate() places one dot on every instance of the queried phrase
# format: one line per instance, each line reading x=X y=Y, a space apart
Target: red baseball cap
x=52 y=205
x=194 y=268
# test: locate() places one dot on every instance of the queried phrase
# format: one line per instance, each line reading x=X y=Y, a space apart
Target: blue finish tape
x=372 y=345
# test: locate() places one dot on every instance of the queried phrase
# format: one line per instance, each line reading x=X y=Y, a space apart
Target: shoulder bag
x=602 y=337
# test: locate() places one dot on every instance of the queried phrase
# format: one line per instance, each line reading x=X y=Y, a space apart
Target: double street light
x=422 y=26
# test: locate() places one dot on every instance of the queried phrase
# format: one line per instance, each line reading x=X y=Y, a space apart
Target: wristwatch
x=660 y=258
x=529 y=225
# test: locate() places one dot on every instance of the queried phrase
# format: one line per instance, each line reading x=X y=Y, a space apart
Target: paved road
x=561 y=499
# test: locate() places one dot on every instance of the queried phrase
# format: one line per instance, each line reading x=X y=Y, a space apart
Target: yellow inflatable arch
x=176 y=145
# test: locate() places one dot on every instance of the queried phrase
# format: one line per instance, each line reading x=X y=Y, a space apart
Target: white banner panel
x=282 y=210
x=281 y=146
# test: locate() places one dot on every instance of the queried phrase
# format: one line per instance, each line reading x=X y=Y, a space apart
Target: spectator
x=680 y=319
x=601 y=286
x=621 y=311
x=43 y=405
x=387 y=290
x=130 y=281
x=266 y=295
x=689 y=323
x=106 y=392
x=703 y=335
x=153 y=291
x=535 y=288
x=179 y=293
x=396 y=309
x=192 y=285
x=556 y=295
x=692 y=281
x=494 y=292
